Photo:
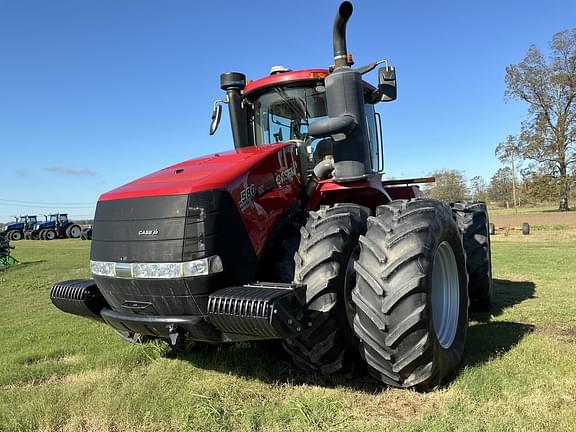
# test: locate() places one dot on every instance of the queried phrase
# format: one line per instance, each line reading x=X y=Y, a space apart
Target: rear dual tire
x=472 y=220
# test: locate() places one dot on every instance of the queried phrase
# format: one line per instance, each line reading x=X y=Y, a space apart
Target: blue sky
x=94 y=94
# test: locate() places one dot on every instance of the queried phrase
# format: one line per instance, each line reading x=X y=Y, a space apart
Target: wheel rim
x=75 y=232
x=50 y=235
x=445 y=295
x=16 y=236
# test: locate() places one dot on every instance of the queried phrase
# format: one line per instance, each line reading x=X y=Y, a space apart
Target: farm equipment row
x=54 y=226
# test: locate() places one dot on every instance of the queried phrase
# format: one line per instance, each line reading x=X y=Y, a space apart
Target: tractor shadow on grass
x=267 y=361
x=507 y=294
x=487 y=338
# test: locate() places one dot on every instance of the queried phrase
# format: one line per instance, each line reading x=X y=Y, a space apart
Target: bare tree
x=548 y=85
x=478 y=189
x=509 y=152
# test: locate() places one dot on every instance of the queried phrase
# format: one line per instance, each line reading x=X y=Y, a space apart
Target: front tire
x=411 y=294
x=73 y=231
x=17 y=235
x=49 y=234
x=319 y=256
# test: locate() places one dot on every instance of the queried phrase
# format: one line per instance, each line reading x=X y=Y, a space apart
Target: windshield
x=32 y=219
x=284 y=114
x=53 y=218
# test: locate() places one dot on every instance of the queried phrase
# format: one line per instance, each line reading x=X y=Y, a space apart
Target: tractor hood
x=14 y=226
x=215 y=171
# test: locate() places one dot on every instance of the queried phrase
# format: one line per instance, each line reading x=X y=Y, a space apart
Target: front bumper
x=249 y=312
x=164 y=326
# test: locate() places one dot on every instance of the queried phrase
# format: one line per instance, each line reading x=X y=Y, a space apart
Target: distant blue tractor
x=56 y=226
x=15 y=230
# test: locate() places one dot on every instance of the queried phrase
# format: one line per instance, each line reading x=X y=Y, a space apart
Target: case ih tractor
x=15 y=230
x=293 y=235
x=55 y=226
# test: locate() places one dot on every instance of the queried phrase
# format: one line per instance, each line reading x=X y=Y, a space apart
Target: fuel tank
x=161 y=244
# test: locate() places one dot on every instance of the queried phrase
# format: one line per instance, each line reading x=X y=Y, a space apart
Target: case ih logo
x=153 y=232
x=286 y=175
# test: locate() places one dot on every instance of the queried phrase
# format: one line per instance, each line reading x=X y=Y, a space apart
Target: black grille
x=261 y=310
x=78 y=297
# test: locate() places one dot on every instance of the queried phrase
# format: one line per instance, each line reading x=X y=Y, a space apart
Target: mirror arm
x=216 y=115
x=370 y=67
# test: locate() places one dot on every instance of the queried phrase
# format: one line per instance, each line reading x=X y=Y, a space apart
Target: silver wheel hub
x=445 y=295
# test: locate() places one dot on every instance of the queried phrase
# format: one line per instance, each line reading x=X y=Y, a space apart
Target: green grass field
x=59 y=372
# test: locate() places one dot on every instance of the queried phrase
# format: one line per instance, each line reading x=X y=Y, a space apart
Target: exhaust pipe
x=339 y=34
x=233 y=84
x=346 y=123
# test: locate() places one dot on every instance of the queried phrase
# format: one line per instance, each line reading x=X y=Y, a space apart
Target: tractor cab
x=281 y=107
x=30 y=221
x=286 y=103
x=58 y=218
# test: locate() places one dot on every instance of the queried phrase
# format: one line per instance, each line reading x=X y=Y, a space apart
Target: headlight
x=102 y=268
x=201 y=267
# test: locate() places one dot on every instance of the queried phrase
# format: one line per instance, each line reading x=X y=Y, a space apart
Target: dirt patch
x=395 y=405
x=35 y=383
x=88 y=377
x=545 y=218
x=60 y=359
x=559 y=331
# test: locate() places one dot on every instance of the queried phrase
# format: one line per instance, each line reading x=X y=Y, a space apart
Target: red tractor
x=293 y=235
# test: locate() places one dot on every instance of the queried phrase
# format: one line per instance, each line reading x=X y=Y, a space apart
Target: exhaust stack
x=346 y=122
x=339 y=34
x=233 y=84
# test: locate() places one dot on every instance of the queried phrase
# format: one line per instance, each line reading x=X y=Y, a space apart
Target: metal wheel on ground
x=49 y=234
x=411 y=294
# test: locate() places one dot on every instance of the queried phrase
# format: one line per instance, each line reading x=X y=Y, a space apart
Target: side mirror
x=336 y=127
x=387 y=84
x=216 y=115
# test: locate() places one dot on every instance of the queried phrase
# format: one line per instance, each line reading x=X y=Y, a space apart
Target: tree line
x=531 y=189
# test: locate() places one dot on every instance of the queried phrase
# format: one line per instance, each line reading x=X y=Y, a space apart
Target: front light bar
x=201 y=267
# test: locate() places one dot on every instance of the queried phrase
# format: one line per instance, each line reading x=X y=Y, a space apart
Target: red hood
x=214 y=171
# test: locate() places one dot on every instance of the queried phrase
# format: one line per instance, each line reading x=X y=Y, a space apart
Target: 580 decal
x=247 y=195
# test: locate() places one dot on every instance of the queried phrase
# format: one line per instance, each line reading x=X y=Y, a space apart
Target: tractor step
x=262 y=310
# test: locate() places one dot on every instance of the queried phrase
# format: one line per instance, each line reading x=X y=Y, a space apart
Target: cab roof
x=255 y=87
